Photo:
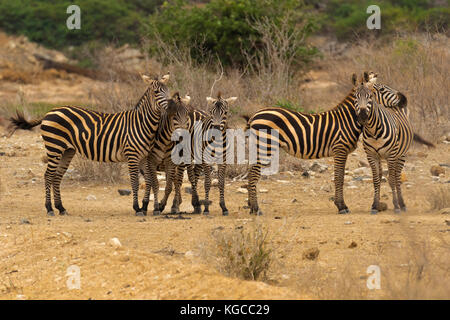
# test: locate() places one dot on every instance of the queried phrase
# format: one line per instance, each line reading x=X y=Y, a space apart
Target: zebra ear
x=366 y=76
x=231 y=100
x=176 y=96
x=146 y=79
x=373 y=77
x=186 y=99
x=165 y=78
x=354 y=79
x=210 y=100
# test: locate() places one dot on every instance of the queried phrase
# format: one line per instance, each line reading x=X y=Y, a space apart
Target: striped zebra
x=115 y=137
x=176 y=117
x=387 y=134
x=332 y=133
x=211 y=151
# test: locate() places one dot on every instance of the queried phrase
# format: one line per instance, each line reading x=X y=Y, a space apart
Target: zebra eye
x=382 y=90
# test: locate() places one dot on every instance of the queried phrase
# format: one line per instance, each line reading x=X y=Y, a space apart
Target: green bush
x=222 y=27
x=348 y=18
x=45 y=21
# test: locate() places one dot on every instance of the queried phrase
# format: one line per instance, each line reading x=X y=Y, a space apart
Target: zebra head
x=157 y=88
x=385 y=95
x=178 y=112
x=218 y=111
x=363 y=97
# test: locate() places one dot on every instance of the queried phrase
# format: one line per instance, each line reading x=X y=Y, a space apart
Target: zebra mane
x=145 y=97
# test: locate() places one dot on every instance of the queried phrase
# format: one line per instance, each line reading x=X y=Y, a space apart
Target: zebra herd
x=144 y=135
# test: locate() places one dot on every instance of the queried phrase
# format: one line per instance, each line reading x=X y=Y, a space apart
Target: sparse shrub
x=439 y=197
x=88 y=170
x=225 y=28
x=243 y=252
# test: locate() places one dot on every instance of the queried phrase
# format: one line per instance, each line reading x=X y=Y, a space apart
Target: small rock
x=67 y=234
x=421 y=154
x=91 y=197
x=363 y=163
x=189 y=254
x=263 y=190
x=124 y=192
x=242 y=190
x=306 y=174
x=294 y=200
x=115 y=243
x=24 y=221
x=353 y=245
x=444 y=211
x=403 y=177
x=348 y=222
x=311 y=254
x=318 y=167
x=21 y=297
x=382 y=206
x=436 y=170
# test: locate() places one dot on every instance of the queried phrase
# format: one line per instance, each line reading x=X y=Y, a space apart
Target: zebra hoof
x=403 y=209
x=197 y=210
x=156 y=212
x=373 y=211
x=344 y=211
x=396 y=211
x=174 y=211
x=225 y=213
x=140 y=214
x=206 y=213
x=63 y=213
x=51 y=213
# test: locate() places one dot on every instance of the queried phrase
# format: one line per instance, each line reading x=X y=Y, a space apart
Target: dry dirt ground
x=164 y=258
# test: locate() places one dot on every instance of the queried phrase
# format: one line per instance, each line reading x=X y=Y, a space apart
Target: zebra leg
x=148 y=188
x=375 y=165
x=152 y=169
x=400 y=164
x=52 y=166
x=193 y=173
x=221 y=173
x=62 y=168
x=392 y=168
x=339 y=171
x=133 y=168
x=207 y=170
x=170 y=175
x=178 y=180
x=253 y=177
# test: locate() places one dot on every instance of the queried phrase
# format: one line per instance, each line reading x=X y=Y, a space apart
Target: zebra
x=387 y=134
x=201 y=123
x=126 y=136
x=177 y=116
x=332 y=133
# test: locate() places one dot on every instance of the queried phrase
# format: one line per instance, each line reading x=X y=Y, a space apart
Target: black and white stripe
x=126 y=136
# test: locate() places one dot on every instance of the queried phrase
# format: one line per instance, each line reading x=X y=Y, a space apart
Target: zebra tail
x=247 y=118
x=19 y=122
x=421 y=140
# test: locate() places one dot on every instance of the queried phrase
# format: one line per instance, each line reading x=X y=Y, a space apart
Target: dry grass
x=243 y=252
x=439 y=197
x=417 y=65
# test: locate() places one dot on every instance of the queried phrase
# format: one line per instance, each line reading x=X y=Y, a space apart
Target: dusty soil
x=164 y=258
